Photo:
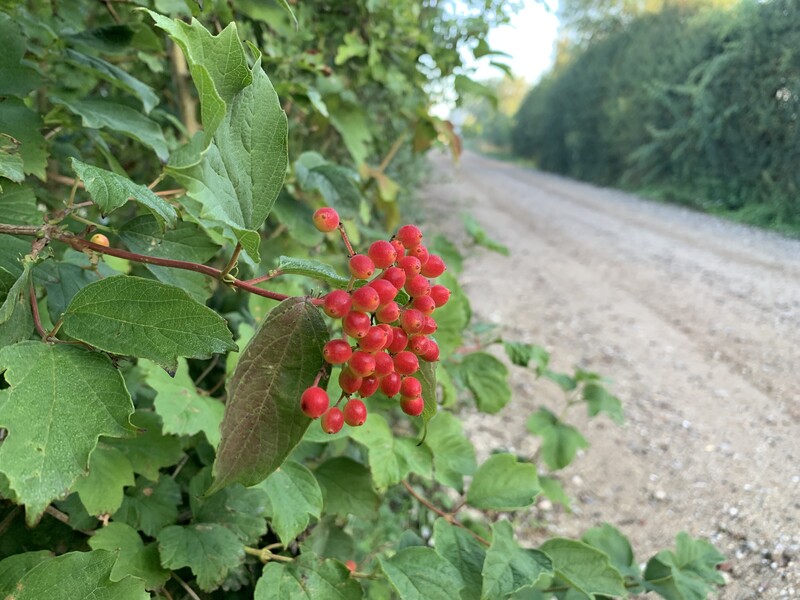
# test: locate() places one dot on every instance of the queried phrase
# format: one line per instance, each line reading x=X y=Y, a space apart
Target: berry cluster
x=385 y=323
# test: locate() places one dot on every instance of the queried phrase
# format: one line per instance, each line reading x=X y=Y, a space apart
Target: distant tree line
x=696 y=106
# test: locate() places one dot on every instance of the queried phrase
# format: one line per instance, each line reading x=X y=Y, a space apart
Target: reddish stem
x=346 y=240
x=35 y=312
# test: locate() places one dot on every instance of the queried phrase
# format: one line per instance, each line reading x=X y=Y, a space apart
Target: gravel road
x=696 y=321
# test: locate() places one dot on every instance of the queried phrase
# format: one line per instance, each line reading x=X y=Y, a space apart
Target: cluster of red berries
x=383 y=341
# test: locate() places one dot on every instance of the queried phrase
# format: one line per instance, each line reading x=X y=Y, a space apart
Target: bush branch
x=449 y=517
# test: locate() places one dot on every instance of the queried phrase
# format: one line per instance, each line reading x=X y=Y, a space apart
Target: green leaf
x=12 y=249
x=18 y=205
x=501 y=483
x=421 y=574
x=413 y=458
x=60 y=397
x=351 y=123
x=452 y=318
x=487 y=379
x=150 y=450
x=584 y=568
x=118 y=315
x=24 y=125
x=102 y=489
x=553 y=489
x=11 y=166
x=378 y=439
x=208 y=549
x=294 y=495
x=104 y=114
x=16 y=322
x=427 y=377
x=480 y=237
x=307 y=578
x=150 y=506
x=183 y=410
x=522 y=354
x=562 y=380
x=315 y=269
x=134 y=558
x=297 y=217
x=78 y=576
x=453 y=453
x=186 y=242
x=110 y=191
x=352 y=47
x=599 y=400
x=464 y=552
x=329 y=540
x=347 y=488
x=15 y=79
x=14 y=567
x=115 y=76
x=449 y=253
x=611 y=541
x=509 y=568
x=560 y=442
x=263 y=421
x=62 y=281
x=337 y=185
x=689 y=573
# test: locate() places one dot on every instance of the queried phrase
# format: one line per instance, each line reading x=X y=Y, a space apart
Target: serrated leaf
x=347 y=488
x=62 y=281
x=464 y=552
x=149 y=450
x=413 y=458
x=310 y=267
x=186 y=242
x=240 y=509
x=378 y=439
x=16 y=322
x=183 y=410
x=15 y=79
x=487 y=379
x=110 y=191
x=24 y=125
x=133 y=557
x=584 y=568
x=11 y=167
x=150 y=505
x=599 y=400
x=509 y=568
x=560 y=442
x=12 y=249
x=139 y=317
x=208 y=549
x=14 y=567
x=307 y=578
x=337 y=185
x=453 y=453
x=104 y=114
x=18 y=205
x=78 y=576
x=522 y=354
x=611 y=541
x=689 y=573
x=501 y=483
x=263 y=421
x=101 y=490
x=427 y=377
x=328 y=539
x=61 y=399
x=421 y=574
x=294 y=495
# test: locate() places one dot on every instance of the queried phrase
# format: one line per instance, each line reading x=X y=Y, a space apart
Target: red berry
x=326 y=219
x=314 y=402
x=418 y=286
x=366 y=299
x=383 y=364
x=351 y=565
x=410 y=236
x=369 y=386
x=382 y=254
x=440 y=295
x=430 y=325
x=374 y=341
x=389 y=334
x=412 y=320
x=424 y=304
x=332 y=420
x=411 y=266
x=412 y=406
x=410 y=387
x=356 y=324
x=361 y=266
x=100 y=240
x=355 y=412
x=434 y=267
x=386 y=291
x=432 y=353
x=406 y=363
x=362 y=363
x=399 y=341
x=388 y=313
x=337 y=304
x=337 y=352
x=421 y=252
x=418 y=344
x=398 y=247
x=349 y=381
x=390 y=385
x=396 y=276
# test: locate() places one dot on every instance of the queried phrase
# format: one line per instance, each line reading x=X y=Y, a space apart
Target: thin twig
x=37 y=321
x=264 y=278
x=185 y=586
x=445 y=515
x=207 y=370
x=232 y=262
x=346 y=240
x=392 y=151
x=6 y=522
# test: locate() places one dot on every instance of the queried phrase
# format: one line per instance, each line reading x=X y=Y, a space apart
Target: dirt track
x=697 y=323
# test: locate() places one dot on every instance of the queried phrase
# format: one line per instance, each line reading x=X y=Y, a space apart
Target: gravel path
x=695 y=320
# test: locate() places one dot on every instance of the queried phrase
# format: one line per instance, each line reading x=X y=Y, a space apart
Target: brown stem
x=35 y=312
x=232 y=262
x=445 y=515
x=346 y=240
x=187 y=102
x=192 y=594
x=264 y=278
x=392 y=151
